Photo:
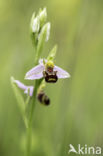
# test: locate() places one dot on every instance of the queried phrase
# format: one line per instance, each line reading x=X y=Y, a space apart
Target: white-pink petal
x=61 y=73
x=35 y=73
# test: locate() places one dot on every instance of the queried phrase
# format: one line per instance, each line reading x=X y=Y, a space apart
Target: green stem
x=29 y=129
x=38 y=49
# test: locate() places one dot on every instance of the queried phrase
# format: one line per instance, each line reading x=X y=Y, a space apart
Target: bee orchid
x=27 y=89
x=46 y=69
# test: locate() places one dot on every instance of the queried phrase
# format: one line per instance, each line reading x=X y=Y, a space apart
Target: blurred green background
x=75 y=115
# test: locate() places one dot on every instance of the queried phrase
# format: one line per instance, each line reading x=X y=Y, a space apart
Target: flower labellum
x=27 y=89
x=49 y=74
x=46 y=69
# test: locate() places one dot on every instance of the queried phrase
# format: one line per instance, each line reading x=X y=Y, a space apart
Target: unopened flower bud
x=48 y=31
x=45 y=30
x=42 y=17
x=35 y=25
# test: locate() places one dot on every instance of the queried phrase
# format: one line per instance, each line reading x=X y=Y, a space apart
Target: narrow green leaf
x=20 y=100
x=18 y=96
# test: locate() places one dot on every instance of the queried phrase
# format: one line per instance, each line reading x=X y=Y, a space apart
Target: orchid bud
x=45 y=32
x=42 y=17
x=35 y=24
x=34 y=28
x=48 y=31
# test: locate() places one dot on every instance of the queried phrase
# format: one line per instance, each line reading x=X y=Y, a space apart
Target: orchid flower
x=27 y=89
x=46 y=69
